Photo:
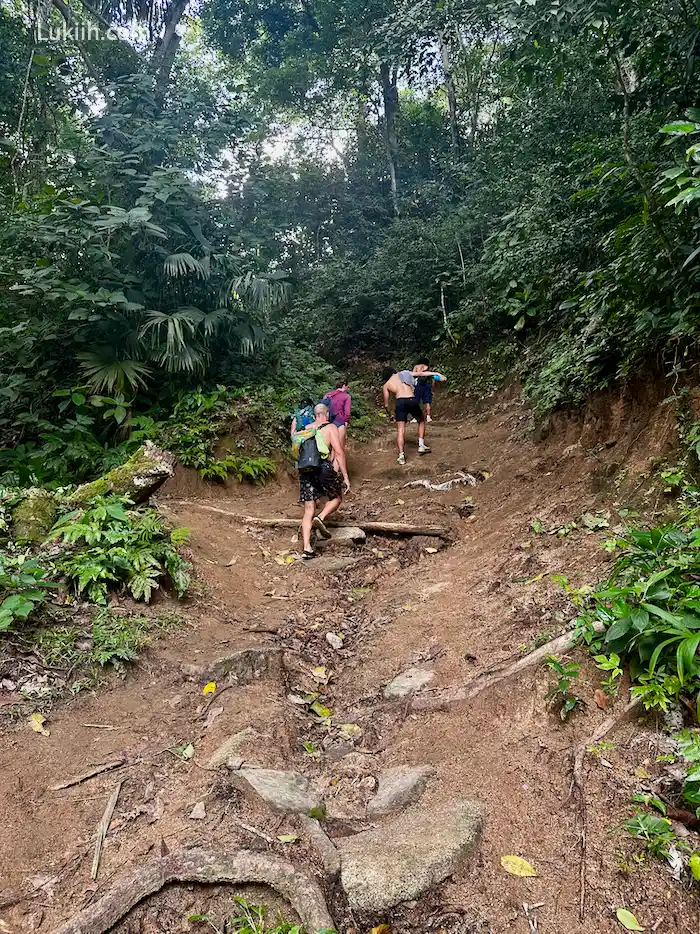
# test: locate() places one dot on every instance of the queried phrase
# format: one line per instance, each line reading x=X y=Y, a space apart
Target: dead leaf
x=517 y=866
x=628 y=920
x=212 y=715
x=431 y=551
x=287 y=837
x=601 y=699
x=198 y=812
x=399 y=502
x=230 y=564
x=608 y=765
x=36 y=722
x=320 y=675
x=349 y=730
x=381 y=929
x=209 y=688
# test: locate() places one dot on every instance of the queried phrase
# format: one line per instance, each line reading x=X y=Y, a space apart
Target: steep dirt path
x=486 y=598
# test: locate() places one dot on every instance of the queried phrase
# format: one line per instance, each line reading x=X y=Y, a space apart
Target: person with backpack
x=323 y=472
x=339 y=404
x=303 y=416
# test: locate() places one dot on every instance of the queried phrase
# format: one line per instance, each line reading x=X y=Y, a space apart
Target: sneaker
x=308 y=555
x=424 y=449
x=401 y=459
x=428 y=418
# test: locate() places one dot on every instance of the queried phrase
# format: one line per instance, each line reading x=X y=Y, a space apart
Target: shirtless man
x=403 y=386
x=329 y=480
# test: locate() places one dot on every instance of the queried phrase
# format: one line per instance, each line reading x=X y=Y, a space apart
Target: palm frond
x=181 y=264
x=264 y=293
x=251 y=337
x=173 y=329
x=104 y=373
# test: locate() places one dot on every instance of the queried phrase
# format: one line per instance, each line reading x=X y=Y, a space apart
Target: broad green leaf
x=628 y=920
x=678 y=127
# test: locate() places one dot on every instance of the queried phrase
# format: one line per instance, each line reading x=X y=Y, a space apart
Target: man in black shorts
x=403 y=386
x=330 y=480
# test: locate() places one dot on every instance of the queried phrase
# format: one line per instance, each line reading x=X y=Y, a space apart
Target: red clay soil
x=484 y=598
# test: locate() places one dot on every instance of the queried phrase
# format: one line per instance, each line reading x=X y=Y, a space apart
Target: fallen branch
x=103 y=827
x=96 y=770
x=578 y=786
x=394 y=528
x=300 y=890
x=493 y=675
x=689 y=818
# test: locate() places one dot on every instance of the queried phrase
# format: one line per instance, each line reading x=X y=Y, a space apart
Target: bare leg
x=330 y=507
x=421 y=430
x=307 y=519
x=428 y=407
x=343 y=432
x=401 y=435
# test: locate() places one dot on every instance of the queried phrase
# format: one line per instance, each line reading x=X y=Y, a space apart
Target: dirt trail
x=457 y=611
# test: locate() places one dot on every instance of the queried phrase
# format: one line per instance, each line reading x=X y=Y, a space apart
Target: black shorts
x=406 y=407
x=317 y=482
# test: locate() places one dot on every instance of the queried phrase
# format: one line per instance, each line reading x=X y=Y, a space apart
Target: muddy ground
x=484 y=597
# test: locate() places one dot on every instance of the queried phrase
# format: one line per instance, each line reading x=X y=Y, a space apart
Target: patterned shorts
x=318 y=482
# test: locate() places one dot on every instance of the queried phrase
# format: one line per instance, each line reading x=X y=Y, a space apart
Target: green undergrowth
x=106 y=545
x=246 y=918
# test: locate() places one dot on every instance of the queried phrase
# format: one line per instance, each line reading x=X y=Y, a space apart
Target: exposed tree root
x=493 y=675
x=242 y=866
x=578 y=786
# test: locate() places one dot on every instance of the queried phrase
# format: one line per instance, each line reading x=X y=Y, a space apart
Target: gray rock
x=399 y=787
x=322 y=843
x=409 y=682
x=283 y=791
x=347 y=533
x=405 y=857
x=230 y=746
x=234 y=763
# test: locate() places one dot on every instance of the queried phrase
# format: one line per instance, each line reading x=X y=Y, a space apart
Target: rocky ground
x=341 y=736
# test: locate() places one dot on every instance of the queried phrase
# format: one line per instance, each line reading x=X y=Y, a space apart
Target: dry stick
x=578 y=785
x=96 y=770
x=102 y=726
x=103 y=827
x=255 y=831
x=498 y=673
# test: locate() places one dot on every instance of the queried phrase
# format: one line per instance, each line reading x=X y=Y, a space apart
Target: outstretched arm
x=443 y=379
x=385 y=391
x=339 y=454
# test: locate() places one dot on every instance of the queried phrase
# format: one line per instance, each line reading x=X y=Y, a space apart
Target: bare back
x=400 y=389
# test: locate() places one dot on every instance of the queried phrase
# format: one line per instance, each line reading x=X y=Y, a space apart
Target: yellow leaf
x=628 y=920
x=517 y=866
x=320 y=675
x=209 y=688
x=641 y=772
x=323 y=712
x=287 y=837
x=36 y=722
x=381 y=929
x=349 y=730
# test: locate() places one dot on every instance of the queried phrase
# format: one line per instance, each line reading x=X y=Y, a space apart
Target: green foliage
x=565 y=673
x=650 y=608
x=113 y=544
x=611 y=664
x=655 y=832
x=23 y=588
x=250 y=919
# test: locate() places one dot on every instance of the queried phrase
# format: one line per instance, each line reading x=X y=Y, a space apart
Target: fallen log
x=137 y=478
x=391 y=528
x=203 y=866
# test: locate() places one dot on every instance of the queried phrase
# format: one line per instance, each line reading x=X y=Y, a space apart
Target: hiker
x=424 y=387
x=302 y=417
x=339 y=404
x=323 y=472
x=403 y=385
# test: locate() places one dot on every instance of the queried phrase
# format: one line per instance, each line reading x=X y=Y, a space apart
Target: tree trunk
x=451 y=94
x=164 y=55
x=390 y=98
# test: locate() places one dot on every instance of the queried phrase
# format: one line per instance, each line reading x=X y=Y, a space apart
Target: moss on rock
x=138 y=478
x=33 y=518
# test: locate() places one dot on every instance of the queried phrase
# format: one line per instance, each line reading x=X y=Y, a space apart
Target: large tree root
x=578 y=786
x=493 y=675
x=242 y=866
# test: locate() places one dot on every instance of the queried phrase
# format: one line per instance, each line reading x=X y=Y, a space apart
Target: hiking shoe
x=424 y=449
x=308 y=555
x=320 y=526
x=401 y=459
x=428 y=418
